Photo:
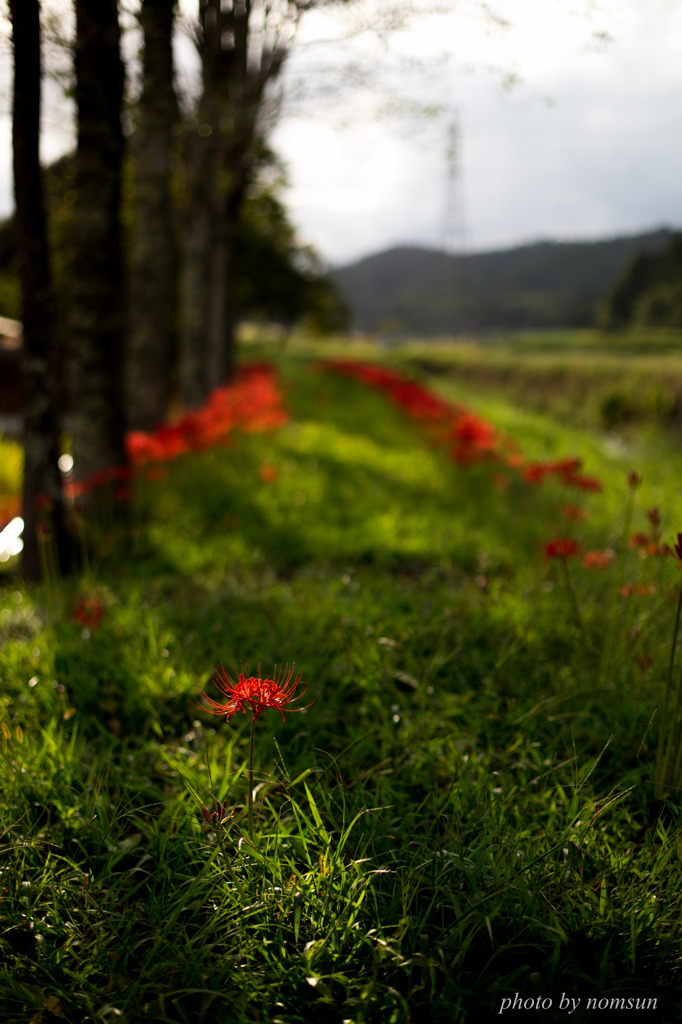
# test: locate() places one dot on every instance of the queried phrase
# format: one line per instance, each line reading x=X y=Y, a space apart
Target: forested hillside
x=548 y=284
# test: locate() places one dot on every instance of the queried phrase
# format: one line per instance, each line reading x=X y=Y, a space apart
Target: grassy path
x=460 y=816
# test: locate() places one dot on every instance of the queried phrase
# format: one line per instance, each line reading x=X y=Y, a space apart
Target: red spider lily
x=251 y=403
x=535 y=473
x=256 y=693
x=637 y=589
x=566 y=467
x=89 y=612
x=649 y=545
x=470 y=429
x=582 y=482
x=475 y=438
x=217 y=817
x=574 y=512
x=654 y=517
x=566 y=470
x=268 y=474
x=634 y=480
x=412 y=397
x=598 y=559
x=563 y=548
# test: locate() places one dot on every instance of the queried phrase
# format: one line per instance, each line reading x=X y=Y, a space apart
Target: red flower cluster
x=563 y=548
x=255 y=693
x=417 y=402
x=474 y=439
x=89 y=612
x=566 y=470
x=251 y=403
x=650 y=543
x=598 y=559
x=574 y=512
x=638 y=590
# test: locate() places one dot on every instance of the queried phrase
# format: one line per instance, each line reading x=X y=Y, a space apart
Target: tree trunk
x=151 y=374
x=195 y=291
x=43 y=502
x=233 y=203
x=98 y=299
x=217 y=308
x=221 y=160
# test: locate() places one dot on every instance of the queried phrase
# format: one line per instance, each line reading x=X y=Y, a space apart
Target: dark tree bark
x=238 y=64
x=151 y=372
x=195 y=291
x=221 y=310
x=43 y=501
x=98 y=317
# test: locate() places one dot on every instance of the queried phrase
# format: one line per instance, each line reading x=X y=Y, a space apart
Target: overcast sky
x=587 y=144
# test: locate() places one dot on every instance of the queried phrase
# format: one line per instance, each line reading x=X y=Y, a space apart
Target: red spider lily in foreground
x=256 y=694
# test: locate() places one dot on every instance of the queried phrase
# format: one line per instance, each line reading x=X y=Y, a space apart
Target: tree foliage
x=650 y=291
x=277 y=279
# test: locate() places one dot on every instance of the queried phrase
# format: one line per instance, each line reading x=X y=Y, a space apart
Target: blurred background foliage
x=277 y=279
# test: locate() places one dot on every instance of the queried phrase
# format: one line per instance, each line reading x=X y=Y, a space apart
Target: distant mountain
x=411 y=290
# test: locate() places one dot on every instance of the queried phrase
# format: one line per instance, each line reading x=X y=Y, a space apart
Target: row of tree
x=154 y=313
x=649 y=293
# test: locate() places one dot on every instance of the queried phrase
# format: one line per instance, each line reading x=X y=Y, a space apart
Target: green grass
x=11 y=467
x=611 y=381
x=465 y=812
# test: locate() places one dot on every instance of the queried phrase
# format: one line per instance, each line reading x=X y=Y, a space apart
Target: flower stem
x=571 y=595
x=250 y=796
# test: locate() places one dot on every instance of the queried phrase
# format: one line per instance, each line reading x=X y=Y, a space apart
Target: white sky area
x=586 y=145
